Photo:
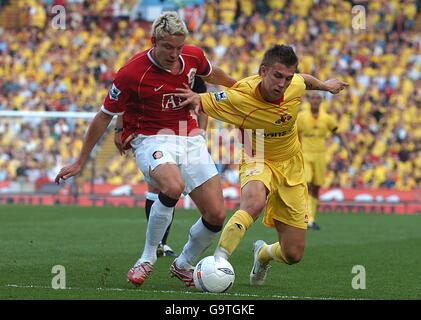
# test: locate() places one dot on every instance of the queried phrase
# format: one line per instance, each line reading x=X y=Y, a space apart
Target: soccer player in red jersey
x=121 y=140
x=169 y=149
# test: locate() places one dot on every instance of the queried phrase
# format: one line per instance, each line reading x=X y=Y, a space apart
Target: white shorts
x=190 y=154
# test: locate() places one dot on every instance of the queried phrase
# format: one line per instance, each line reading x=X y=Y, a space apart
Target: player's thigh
x=168 y=179
x=256 y=183
x=288 y=204
x=292 y=241
x=210 y=201
x=253 y=197
x=157 y=161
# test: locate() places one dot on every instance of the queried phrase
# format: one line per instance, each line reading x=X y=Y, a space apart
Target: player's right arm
x=96 y=129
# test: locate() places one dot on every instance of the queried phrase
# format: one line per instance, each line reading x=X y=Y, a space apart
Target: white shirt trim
x=111 y=113
x=149 y=54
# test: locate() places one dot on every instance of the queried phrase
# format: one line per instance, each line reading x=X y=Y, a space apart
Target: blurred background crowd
x=45 y=68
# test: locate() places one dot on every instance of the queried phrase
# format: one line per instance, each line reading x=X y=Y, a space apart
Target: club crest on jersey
x=220 y=96
x=157 y=155
x=114 y=92
x=191 y=75
x=284 y=119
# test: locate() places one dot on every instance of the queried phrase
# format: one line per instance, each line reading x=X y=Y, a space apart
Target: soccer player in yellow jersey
x=314 y=125
x=268 y=101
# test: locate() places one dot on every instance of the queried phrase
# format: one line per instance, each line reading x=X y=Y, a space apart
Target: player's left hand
x=335 y=86
x=190 y=99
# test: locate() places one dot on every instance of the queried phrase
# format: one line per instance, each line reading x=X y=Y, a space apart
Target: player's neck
x=266 y=97
x=175 y=69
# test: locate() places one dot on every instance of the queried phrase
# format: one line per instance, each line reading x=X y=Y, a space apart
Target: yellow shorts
x=315 y=167
x=288 y=195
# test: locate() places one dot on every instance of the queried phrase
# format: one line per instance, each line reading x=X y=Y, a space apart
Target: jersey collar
x=149 y=54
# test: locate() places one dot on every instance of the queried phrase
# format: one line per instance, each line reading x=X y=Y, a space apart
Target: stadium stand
x=45 y=69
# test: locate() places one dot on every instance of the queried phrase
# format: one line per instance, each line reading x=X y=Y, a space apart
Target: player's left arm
x=332 y=85
x=219 y=77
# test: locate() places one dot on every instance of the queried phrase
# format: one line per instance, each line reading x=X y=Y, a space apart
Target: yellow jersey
x=313 y=131
x=243 y=106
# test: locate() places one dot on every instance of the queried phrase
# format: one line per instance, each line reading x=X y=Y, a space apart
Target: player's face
x=168 y=49
x=276 y=79
x=315 y=99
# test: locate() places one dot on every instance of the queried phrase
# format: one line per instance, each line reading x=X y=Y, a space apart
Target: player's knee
x=294 y=256
x=216 y=216
x=173 y=189
x=254 y=206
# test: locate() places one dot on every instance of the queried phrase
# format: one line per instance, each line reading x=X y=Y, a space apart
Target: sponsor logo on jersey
x=285 y=118
x=170 y=102
x=157 y=88
x=220 y=96
x=114 y=92
x=157 y=155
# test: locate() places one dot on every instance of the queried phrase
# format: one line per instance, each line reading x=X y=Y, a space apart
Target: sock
x=165 y=237
x=159 y=219
x=313 y=203
x=233 y=232
x=150 y=199
x=200 y=237
x=271 y=252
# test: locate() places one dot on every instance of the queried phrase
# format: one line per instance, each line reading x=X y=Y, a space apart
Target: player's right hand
x=68 y=171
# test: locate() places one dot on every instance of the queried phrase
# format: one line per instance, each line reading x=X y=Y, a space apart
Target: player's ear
x=262 y=70
x=153 y=39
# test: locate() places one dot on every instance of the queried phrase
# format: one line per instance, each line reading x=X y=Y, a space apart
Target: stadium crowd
x=43 y=68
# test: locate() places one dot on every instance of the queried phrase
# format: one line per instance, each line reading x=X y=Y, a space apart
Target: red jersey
x=144 y=93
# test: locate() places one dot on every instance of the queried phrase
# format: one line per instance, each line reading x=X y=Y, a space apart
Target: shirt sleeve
x=117 y=98
x=221 y=105
x=205 y=67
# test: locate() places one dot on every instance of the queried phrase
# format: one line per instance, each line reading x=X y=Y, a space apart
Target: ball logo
x=157 y=155
x=226 y=271
x=306 y=218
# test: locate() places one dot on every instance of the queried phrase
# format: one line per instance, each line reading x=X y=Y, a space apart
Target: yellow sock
x=234 y=231
x=271 y=252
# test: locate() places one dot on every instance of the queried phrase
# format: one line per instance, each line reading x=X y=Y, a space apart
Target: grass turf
x=97 y=246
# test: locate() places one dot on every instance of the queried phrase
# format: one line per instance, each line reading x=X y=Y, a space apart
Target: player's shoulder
x=192 y=50
x=249 y=83
x=136 y=63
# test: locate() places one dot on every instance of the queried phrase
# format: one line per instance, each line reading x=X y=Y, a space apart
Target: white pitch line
x=245 y=295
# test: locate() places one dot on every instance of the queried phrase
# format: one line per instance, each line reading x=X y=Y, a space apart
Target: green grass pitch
x=97 y=246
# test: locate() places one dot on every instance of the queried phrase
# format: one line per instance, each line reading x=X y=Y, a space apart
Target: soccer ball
x=213 y=274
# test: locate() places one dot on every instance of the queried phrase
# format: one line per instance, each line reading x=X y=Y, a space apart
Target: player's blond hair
x=168 y=23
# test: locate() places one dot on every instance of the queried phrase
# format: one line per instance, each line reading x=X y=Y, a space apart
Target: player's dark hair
x=282 y=54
